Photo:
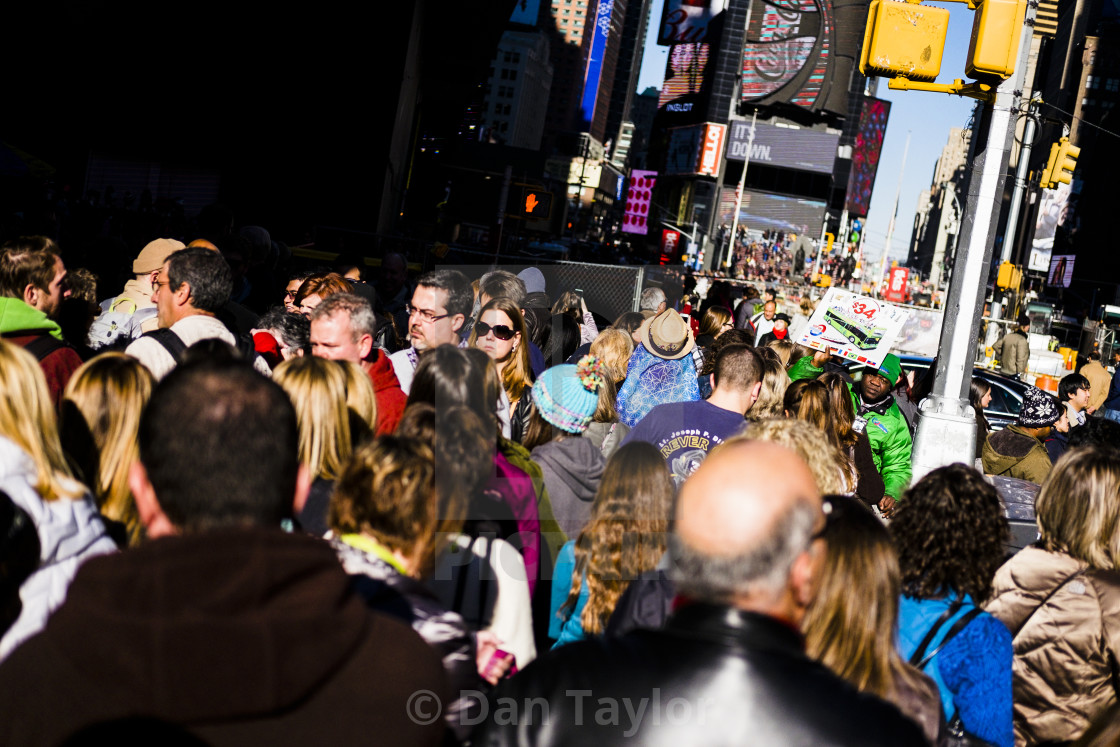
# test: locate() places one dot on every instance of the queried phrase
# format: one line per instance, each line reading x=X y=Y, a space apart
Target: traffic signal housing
x=994 y=47
x=1060 y=166
x=903 y=40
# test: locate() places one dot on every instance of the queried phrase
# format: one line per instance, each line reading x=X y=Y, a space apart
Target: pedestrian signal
x=903 y=40
x=536 y=204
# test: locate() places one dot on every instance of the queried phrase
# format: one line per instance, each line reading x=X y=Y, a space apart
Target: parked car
x=1007 y=394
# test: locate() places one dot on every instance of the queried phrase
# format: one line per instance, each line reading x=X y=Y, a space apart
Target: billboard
x=634 y=220
x=1061 y=270
x=761 y=211
x=695 y=150
x=670 y=242
x=787 y=147
x=684 y=77
x=1053 y=213
x=595 y=54
x=686 y=21
x=865 y=154
x=896 y=285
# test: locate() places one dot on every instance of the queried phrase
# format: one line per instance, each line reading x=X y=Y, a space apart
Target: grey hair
x=503 y=284
x=651 y=299
x=362 y=320
x=765 y=567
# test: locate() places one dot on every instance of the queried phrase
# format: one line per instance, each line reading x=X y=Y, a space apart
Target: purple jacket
x=515 y=489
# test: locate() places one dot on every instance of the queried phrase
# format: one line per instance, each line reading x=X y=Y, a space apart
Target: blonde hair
x=783 y=348
x=27 y=418
x=1078 y=509
x=771 y=398
x=361 y=399
x=852 y=623
x=517 y=374
x=613 y=347
x=317 y=388
x=809 y=441
x=109 y=392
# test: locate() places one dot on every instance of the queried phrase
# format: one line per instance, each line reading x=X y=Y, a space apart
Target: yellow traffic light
x=828 y=245
x=903 y=40
x=994 y=47
x=1009 y=276
x=1067 y=161
x=1060 y=166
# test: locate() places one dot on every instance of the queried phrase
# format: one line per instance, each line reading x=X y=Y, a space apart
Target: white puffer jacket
x=70 y=531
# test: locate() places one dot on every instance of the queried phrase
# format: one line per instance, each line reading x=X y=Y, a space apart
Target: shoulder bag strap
x=920 y=651
x=170 y=341
x=958 y=626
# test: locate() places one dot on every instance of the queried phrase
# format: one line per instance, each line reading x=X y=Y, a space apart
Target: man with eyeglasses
x=191 y=288
x=133 y=312
x=440 y=305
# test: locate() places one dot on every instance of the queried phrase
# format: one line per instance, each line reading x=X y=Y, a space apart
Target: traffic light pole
x=946 y=423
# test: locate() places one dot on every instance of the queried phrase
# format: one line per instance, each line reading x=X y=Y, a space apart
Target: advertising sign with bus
x=858 y=328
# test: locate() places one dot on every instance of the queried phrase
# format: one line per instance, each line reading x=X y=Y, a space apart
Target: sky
x=926 y=116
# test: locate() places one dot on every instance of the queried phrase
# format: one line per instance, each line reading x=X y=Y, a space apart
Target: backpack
x=175 y=346
x=118 y=323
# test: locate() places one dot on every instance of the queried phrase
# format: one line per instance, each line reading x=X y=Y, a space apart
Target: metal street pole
x=1021 y=173
x=739 y=190
x=946 y=423
x=894 y=214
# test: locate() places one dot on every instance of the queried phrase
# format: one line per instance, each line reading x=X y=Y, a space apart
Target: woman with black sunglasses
x=500 y=332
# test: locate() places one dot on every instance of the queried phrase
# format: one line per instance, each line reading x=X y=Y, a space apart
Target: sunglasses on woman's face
x=501 y=331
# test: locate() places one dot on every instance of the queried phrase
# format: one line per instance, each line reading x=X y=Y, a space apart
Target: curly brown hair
x=950 y=534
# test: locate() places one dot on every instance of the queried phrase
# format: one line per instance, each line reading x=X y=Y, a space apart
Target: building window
x=505 y=74
x=1112 y=84
x=513 y=75
x=516 y=57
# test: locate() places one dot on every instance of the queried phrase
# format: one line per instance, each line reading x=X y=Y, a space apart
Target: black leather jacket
x=713 y=676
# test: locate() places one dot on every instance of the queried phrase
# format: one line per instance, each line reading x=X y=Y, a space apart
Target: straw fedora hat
x=667 y=335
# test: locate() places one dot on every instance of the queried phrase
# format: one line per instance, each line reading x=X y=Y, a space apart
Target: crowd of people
x=434 y=511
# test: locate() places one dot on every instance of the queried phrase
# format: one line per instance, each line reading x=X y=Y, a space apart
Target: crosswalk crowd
x=426 y=510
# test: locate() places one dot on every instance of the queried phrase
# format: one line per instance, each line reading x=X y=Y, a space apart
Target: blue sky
x=927 y=116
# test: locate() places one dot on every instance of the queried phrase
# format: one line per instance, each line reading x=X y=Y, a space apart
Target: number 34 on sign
x=858 y=328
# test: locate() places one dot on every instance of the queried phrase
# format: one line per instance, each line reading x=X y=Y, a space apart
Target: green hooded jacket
x=888 y=432
x=17 y=317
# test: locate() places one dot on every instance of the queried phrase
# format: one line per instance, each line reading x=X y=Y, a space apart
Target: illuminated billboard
x=795 y=49
x=594 y=72
x=635 y=219
x=791 y=148
x=769 y=212
x=865 y=154
x=695 y=150
x=686 y=21
x=1061 y=270
x=684 y=77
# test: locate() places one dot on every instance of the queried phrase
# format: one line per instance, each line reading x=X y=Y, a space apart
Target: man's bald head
x=737 y=539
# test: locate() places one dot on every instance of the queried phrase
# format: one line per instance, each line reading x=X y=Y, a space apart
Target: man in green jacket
x=876 y=413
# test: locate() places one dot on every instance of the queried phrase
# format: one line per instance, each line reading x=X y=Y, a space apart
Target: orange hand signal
x=530 y=202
